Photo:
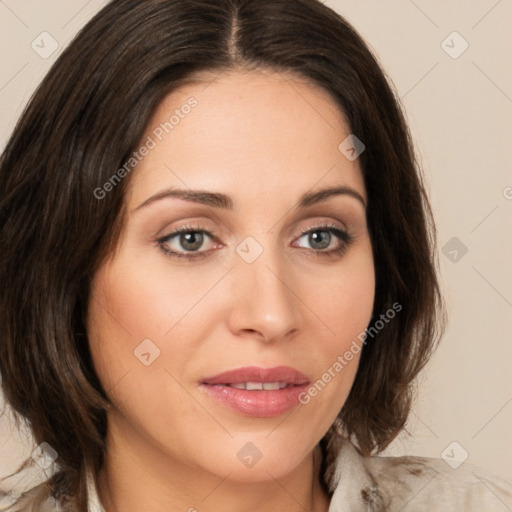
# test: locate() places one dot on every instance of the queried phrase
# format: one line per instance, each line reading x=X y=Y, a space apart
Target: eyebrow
x=219 y=200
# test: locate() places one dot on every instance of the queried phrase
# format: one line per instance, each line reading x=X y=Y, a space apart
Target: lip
x=257 y=374
x=257 y=403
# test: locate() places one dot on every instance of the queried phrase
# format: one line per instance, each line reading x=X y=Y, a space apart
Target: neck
x=137 y=476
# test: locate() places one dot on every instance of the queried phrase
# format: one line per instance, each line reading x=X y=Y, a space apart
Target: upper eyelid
x=326 y=224
x=186 y=229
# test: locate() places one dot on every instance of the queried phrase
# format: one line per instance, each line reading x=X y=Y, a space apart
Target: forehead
x=247 y=134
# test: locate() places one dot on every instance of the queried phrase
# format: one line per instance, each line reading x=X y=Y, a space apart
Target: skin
x=264 y=139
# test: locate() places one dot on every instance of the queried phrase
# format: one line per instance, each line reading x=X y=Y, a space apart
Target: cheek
x=344 y=298
x=345 y=306
x=348 y=307
x=125 y=311
x=141 y=299
x=143 y=320
x=132 y=324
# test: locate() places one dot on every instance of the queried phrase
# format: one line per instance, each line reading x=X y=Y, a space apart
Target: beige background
x=460 y=111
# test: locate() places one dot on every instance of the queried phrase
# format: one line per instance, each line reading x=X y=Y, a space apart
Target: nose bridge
x=263 y=299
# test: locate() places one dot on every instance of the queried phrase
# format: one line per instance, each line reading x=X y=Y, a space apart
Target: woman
x=218 y=269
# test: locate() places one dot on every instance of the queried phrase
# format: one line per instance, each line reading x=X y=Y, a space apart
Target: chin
x=254 y=458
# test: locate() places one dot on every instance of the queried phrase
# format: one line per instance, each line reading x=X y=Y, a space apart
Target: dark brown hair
x=82 y=124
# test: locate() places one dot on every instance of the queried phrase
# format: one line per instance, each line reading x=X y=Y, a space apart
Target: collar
x=355 y=489
x=93 y=500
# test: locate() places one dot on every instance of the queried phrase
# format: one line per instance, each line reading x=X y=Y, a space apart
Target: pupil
x=321 y=241
x=191 y=241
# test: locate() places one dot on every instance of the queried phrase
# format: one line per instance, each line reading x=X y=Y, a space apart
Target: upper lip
x=257 y=374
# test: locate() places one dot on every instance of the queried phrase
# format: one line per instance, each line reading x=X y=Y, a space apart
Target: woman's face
x=266 y=274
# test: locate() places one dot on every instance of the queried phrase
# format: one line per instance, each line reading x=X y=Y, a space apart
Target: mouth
x=258 y=386
x=257 y=392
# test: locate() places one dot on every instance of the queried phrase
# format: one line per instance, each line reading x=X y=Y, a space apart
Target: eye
x=186 y=242
x=326 y=240
x=194 y=242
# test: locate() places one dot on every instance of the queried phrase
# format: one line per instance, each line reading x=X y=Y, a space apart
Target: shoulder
x=38 y=497
x=413 y=483
x=35 y=499
x=421 y=483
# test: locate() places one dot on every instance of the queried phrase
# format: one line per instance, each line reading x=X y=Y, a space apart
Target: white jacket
x=374 y=484
x=413 y=484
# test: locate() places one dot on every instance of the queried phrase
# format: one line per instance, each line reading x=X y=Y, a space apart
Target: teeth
x=253 y=385
x=258 y=386
x=240 y=385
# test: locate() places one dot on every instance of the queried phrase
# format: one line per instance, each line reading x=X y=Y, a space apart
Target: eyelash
x=344 y=236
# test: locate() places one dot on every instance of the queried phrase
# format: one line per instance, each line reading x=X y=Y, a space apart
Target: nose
x=263 y=303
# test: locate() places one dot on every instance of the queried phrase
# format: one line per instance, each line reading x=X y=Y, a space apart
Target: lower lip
x=257 y=403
